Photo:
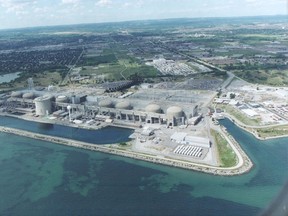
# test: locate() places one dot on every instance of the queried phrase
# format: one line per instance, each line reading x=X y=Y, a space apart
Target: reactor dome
x=106 y=103
x=154 y=108
x=50 y=96
x=174 y=112
x=62 y=99
x=123 y=105
x=16 y=94
x=43 y=98
x=28 y=95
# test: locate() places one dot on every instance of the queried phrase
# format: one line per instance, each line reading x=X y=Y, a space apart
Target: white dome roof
x=43 y=98
x=16 y=94
x=174 y=111
x=123 y=105
x=155 y=108
x=29 y=95
x=106 y=103
x=62 y=98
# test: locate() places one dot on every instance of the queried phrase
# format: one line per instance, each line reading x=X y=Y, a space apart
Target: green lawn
x=226 y=154
x=113 y=71
x=273 y=131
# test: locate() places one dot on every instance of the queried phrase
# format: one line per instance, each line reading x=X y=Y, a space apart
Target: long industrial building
x=115 y=109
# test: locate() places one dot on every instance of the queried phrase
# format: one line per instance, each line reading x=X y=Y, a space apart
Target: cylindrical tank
x=123 y=105
x=43 y=105
x=174 y=112
x=62 y=99
x=28 y=95
x=16 y=94
x=106 y=103
x=154 y=108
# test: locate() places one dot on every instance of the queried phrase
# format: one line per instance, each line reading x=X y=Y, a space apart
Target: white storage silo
x=43 y=105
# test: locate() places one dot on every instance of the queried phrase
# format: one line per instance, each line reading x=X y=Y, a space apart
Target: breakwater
x=246 y=166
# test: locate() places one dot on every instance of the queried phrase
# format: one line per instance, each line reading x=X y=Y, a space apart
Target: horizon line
x=141 y=20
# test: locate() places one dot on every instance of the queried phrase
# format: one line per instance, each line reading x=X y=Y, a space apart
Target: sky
x=29 y=13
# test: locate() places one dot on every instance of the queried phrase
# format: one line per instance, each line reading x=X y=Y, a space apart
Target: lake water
x=9 y=77
x=105 y=135
x=42 y=178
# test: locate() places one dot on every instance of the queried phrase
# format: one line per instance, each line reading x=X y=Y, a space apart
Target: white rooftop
x=178 y=136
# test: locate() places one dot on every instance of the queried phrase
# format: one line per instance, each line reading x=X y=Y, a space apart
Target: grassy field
x=270 y=77
x=273 y=131
x=101 y=59
x=108 y=71
x=112 y=64
x=239 y=115
x=113 y=71
x=226 y=154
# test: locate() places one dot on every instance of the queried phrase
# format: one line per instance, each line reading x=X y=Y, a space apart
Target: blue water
x=9 y=77
x=41 y=178
x=107 y=135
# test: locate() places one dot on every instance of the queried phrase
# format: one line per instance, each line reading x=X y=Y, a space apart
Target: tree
x=232 y=96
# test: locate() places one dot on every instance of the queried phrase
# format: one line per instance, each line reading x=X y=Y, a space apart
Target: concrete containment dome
x=106 y=103
x=52 y=97
x=29 y=95
x=62 y=99
x=43 y=105
x=174 y=112
x=16 y=94
x=155 y=108
x=123 y=105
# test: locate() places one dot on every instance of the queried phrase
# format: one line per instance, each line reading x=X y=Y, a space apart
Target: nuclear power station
x=118 y=110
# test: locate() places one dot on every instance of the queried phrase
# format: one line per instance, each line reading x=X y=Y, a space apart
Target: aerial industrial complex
x=167 y=123
x=127 y=111
x=170 y=86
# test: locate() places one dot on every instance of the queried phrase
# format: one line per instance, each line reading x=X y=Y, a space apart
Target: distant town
x=172 y=81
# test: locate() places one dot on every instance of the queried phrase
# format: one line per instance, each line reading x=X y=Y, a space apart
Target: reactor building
x=117 y=110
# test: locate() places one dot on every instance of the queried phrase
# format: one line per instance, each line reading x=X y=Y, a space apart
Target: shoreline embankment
x=249 y=128
x=231 y=171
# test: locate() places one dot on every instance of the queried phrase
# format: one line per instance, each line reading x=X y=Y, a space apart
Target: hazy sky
x=26 y=13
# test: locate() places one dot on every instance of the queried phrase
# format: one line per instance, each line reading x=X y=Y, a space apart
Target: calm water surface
x=41 y=178
x=106 y=135
x=9 y=77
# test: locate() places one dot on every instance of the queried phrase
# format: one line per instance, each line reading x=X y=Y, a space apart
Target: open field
x=113 y=71
x=271 y=77
x=227 y=156
x=272 y=131
x=113 y=64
